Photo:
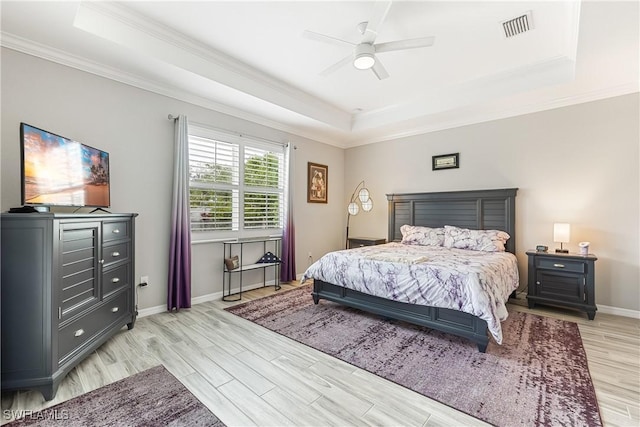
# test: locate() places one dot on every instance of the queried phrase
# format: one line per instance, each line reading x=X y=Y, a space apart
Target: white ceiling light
x=364 y=56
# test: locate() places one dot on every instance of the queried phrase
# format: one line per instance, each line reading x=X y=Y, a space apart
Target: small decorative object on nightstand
x=561 y=279
x=358 y=242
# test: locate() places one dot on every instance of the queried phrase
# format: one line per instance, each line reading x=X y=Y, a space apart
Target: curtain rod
x=284 y=144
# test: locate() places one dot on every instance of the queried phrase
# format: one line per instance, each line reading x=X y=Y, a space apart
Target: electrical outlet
x=310 y=256
x=144 y=280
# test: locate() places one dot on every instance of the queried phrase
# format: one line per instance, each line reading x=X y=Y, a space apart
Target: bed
x=474 y=210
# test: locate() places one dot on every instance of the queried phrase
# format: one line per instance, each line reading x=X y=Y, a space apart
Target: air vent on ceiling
x=518 y=25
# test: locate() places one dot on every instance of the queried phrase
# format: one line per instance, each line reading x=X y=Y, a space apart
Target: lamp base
x=562 y=251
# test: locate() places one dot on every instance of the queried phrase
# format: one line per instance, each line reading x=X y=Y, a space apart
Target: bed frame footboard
x=450 y=321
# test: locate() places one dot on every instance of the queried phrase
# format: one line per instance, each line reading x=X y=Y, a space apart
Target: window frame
x=238 y=227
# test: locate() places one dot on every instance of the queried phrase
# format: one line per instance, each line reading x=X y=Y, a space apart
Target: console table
x=271 y=244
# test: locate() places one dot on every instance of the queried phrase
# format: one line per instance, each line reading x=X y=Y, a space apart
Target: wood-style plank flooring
x=248 y=375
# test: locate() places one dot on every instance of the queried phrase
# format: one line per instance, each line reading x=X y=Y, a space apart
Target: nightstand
x=357 y=242
x=562 y=279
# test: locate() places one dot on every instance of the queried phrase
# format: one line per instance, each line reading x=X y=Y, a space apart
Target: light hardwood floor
x=248 y=375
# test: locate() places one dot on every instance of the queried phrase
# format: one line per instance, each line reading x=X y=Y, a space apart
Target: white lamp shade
x=561 y=232
x=367 y=206
x=363 y=195
x=353 y=208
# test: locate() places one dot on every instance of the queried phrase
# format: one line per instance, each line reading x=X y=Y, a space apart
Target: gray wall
x=577 y=164
x=131 y=124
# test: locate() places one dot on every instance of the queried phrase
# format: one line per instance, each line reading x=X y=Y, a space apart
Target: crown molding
x=121 y=25
x=48 y=53
x=484 y=114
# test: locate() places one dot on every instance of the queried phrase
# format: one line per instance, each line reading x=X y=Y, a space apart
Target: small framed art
x=317 y=183
x=445 y=161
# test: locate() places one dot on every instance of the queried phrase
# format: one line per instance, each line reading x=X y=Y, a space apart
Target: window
x=235 y=183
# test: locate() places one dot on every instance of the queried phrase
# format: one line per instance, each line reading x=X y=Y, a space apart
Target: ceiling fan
x=364 y=53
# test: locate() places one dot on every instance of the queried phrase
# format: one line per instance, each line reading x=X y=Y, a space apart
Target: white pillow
x=425 y=236
x=476 y=240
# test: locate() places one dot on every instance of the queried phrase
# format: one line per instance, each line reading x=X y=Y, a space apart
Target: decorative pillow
x=425 y=236
x=268 y=258
x=232 y=263
x=475 y=240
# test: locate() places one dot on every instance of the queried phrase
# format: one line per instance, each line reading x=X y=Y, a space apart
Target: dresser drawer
x=115 y=279
x=116 y=253
x=561 y=265
x=73 y=336
x=116 y=230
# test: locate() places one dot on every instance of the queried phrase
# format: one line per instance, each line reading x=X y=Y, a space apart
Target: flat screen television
x=57 y=171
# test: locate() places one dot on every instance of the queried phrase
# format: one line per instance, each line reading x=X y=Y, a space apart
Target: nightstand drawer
x=561 y=265
x=358 y=242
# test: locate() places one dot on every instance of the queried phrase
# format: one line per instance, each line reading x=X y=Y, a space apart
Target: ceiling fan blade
x=404 y=44
x=379 y=70
x=344 y=61
x=326 y=39
x=380 y=10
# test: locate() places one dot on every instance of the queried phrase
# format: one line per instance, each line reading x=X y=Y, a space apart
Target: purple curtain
x=288 y=266
x=179 y=292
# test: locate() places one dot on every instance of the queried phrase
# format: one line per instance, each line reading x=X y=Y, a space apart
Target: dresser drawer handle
x=115 y=280
x=115 y=254
x=115 y=309
x=78 y=333
x=559 y=265
x=116 y=231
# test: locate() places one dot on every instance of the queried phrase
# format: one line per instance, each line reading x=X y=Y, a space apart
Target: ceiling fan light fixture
x=364 y=61
x=364 y=56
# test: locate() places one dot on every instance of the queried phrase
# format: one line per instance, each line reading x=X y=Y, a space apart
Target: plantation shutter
x=214 y=184
x=236 y=183
x=263 y=188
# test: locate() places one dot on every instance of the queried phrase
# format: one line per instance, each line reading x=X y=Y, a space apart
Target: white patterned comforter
x=476 y=282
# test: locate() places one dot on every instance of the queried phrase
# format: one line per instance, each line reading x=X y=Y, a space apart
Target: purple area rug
x=538 y=376
x=150 y=398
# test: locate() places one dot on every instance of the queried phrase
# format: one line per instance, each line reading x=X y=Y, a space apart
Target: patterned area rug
x=150 y=398
x=539 y=376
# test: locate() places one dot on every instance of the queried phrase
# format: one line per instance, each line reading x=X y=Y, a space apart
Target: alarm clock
x=542 y=248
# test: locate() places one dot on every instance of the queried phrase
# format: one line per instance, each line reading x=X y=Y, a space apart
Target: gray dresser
x=67 y=286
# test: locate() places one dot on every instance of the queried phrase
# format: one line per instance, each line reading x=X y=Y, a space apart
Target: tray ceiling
x=250 y=59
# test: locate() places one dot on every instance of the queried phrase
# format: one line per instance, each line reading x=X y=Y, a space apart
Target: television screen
x=57 y=171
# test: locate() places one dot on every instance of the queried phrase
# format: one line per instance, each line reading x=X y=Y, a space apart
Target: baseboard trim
x=215 y=296
x=617 y=311
x=605 y=309
x=625 y=312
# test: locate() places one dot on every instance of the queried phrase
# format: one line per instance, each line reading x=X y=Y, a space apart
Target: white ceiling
x=249 y=59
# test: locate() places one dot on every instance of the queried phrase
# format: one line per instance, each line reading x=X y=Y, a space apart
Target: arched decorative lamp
x=353 y=208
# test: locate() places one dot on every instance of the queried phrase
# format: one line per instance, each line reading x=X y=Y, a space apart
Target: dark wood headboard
x=476 y=209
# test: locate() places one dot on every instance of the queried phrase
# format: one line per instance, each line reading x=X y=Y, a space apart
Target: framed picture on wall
x=445 y=161
x=317 y=183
